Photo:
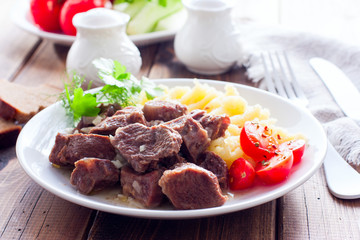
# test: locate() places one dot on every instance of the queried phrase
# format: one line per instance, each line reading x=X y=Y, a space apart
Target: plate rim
x=177 y=214
x=20 y=10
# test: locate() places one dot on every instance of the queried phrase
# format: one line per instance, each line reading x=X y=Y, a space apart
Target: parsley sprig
x=120 y=87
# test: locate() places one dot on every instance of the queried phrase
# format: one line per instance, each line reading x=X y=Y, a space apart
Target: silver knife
x=342 y=180
x=342 y=89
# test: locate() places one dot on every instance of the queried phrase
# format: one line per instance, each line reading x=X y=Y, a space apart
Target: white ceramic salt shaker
x=101 y=33
x=208 y=43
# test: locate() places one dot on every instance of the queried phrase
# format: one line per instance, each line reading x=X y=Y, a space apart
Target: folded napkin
x=343 y=132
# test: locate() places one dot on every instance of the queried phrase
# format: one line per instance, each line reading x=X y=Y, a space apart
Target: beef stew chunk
x=143 y=146
x=215 y=164
x=121 y=118
x=143 y=187
x=169 y=162
x=94 y=174
x=194 y=136
x=215 y=125
x=163 y=110
x=70 y=148
x=197 y=114
x=189 y=186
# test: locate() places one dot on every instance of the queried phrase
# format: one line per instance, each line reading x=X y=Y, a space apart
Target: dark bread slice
x=8 y=133
x=19 y=103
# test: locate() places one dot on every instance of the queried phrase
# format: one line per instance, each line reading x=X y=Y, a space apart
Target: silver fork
x=342 y=180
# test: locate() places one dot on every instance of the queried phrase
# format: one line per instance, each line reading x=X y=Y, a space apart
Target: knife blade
x=339 y=174
x=340 y=86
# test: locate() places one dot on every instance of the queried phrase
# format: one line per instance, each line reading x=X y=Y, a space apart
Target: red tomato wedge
x=296 y=146
x=45 y=14
x=276 y=169
x=241 y=174
x=256 y=141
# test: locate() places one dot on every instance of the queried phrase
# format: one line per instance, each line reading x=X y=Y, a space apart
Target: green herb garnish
x=120 y=88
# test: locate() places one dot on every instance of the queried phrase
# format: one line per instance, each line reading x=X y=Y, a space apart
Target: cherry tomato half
x=296 y=146
x=276 y=169
x=256 y=141
x=241 y=174
x=72 y=7
x=45 y=14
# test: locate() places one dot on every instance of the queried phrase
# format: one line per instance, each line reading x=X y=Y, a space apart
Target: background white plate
x=37 y=138
x=20 y=15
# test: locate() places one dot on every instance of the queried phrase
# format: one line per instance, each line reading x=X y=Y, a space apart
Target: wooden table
x=27 y=211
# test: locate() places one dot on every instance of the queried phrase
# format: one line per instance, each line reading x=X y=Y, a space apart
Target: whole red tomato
x=241 y=174
x=45 y=14
x=72 y=7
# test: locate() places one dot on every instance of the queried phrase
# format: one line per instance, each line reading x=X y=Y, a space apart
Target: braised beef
x=163 y=110
x=143 y=146
x=154 y=122
x=94 y=174
x=109 y=110
x=169 y=162
x=121 y=118
x=197 y=114
x=195 y=138
x=143 y=187
x=215 y=125
x=189 y=186
x=69 y=148
x=214 y=163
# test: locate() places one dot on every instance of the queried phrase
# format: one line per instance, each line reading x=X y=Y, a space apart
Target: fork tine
x=282 y=81
x=287 y=85
x=269 y=82
x=299 y=92
x=277 y=79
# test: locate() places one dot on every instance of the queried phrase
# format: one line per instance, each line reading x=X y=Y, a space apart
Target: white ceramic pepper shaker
x=208 y=43
x=101 y=33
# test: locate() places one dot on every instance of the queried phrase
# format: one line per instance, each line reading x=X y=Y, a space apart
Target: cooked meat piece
x=215 y=125
x=143 y=187
x=194 y=136
x=109 y=110
x=121 y=118
x=94 y=174
x=163 y=110
x=69 y=148
x=197 y=114
x=154 y=122
x=143 y=146
x=170 y=161
x=189 y=186
x=215 y=164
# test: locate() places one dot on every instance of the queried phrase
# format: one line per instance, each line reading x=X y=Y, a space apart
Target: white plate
x=20 y=15
x=37 y=138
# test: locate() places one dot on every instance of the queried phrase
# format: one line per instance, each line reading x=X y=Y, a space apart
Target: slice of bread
x=19 y=103
x=8 y=133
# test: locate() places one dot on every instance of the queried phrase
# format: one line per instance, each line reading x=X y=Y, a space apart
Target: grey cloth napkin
x=343 y=132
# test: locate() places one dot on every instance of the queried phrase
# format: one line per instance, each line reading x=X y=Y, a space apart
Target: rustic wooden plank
x=167 y=65
x=28 y=211
x=312 y=211
x=253 y=223
x=21 y=42
x=47 y=65
x=148 y=54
